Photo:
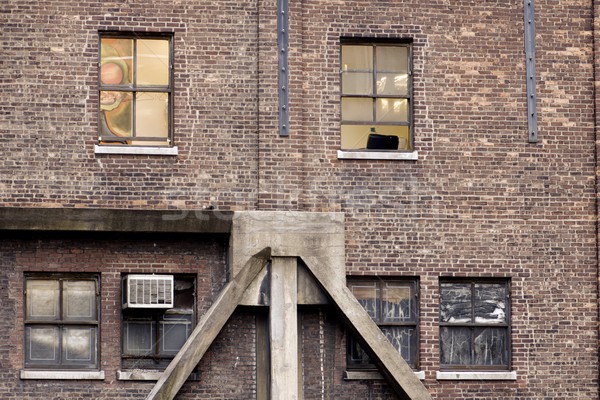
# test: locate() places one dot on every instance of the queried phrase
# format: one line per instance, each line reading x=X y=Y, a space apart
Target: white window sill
x=377 y=155
x=372 y=375
x=72 y=375
x=152 y=151
x=147 y=375
x=476 y=376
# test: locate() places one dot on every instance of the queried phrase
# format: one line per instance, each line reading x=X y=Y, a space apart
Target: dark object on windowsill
x=382 y=142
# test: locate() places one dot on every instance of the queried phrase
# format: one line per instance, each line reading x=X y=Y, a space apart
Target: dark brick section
x=479 y=201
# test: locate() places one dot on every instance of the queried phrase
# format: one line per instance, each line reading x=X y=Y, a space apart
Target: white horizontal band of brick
x=152 y=151
x=373 y=375
x=476 y=375
x=148 y=375
x=378 y=155
x=63 y=375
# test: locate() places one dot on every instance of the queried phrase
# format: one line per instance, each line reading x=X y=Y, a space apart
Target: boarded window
x=474 y=324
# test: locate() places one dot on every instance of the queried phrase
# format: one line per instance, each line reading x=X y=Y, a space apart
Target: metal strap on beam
x=529 y=15
x=282 y=49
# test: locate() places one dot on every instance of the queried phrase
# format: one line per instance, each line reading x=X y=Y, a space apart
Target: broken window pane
x=490 y=303
x=455 y=346
x=455 y=302
x=490 y=346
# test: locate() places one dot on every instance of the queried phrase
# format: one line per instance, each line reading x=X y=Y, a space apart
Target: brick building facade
x=464 y=214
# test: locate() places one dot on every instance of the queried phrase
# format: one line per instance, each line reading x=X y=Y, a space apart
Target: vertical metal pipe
x=529 y=20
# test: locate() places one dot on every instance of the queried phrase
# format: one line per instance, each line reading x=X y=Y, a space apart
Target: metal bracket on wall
x=528 y=9
x=282 y=74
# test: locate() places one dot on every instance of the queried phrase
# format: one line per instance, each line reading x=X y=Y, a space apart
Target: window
x=393 y=305
x=376 y=96
x=136 y=88
x=153 y=336
x=474 y=324
x=61 y=321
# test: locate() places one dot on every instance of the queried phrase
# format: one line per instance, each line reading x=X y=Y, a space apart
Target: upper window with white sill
x=135 y=90
x=376 y=97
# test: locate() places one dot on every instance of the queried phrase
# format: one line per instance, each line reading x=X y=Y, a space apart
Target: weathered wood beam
x=207 y=329
x=392 y=366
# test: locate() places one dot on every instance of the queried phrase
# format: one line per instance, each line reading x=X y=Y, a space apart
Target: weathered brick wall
x=479 y=201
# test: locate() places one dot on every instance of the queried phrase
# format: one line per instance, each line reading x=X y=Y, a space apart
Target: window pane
x=174 y=332
x=404 y=339
x=152 y=114
x=42 y=299
x=357 y=109
x=490 y=346
x=152 y=62
x=392 y=84
x=391 y=110
x=357 y=356
x=366 y=293
x=455 y=346
x=41 y=345
x=79 y=345
x=116 y=59
x=455 y=302
x=184 y=294
x=357 y=58
x=392 y=59
x=79 y=300
x=397 y=302
x=359 y=83
x=139 y=338
x=490 y=303
x=116 y=113
x=355 y=136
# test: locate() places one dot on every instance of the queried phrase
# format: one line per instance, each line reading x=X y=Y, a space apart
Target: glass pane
x=397 y=302
x=139 y=338
x=360 y=83
x=490 y=346
x=404 y=339
x=79 y=300
x=357 y=356
x=455 y=346
x=391 y=110
x=357 y=109
x=455 y=302
x=116 y=113
x=41 y=344
x=392 y=84
x=366 y=293
x=42 y=299
x=152 y=62
x=152 y=114
x=392 y=59
x=116 y=60
x=79 y=345
x=490 y=303
x=355 y=136
x=174 y=332
x=357 y=58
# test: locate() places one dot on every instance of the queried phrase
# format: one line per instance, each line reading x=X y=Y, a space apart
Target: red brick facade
x=480 y=201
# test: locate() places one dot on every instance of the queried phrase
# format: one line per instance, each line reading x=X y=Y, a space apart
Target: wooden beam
x=207 y=329
x=391 y=364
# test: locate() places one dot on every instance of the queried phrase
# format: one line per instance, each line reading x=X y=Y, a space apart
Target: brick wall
x=479 y=202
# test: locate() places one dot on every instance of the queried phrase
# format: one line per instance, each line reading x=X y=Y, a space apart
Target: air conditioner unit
x=148 y=291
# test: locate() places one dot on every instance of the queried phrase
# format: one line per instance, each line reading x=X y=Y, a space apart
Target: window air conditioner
x=148 y=291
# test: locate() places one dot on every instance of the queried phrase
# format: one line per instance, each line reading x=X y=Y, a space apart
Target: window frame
x=374 y=43
x=473 y=326
x=61 y=323
x=413 y=283
x=157 y=360
x=133 y=88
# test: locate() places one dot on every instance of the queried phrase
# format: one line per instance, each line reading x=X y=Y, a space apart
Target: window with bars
x=394 y=305
x=474 y=324
x=376 y=96
x=135 y=89
x=61 y=321
x=153 y=336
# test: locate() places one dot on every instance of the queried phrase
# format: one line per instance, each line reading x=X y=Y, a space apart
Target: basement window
x=394 y=305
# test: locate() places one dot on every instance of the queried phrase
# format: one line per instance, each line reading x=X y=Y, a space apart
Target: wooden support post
x=283 y=324
x=207 y=329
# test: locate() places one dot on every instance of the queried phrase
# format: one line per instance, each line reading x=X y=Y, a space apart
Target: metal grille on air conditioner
x=148 y=291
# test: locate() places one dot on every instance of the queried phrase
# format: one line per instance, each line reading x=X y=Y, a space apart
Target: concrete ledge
x=151 y=151
x=476 y=376
x=373 y=375
x=378 y=155
x=63 y=375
